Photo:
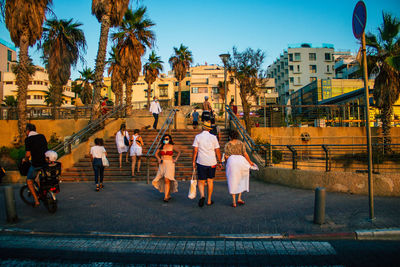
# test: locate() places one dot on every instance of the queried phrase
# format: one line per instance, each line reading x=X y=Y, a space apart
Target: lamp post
x=225 y=58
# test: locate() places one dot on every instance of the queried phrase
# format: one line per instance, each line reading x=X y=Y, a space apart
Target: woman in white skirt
x=238 y=166
x=165 y=179
x=122 y=147
x=136 y=150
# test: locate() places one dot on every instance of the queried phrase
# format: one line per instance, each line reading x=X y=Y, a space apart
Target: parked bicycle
x=47 y=188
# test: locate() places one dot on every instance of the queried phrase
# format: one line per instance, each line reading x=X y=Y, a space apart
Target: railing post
x=327 y=165
x=148 y=170
x=268 y=158
x=294 y=157
x=175 y=118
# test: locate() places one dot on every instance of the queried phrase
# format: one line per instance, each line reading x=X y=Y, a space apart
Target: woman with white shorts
x=136 y=150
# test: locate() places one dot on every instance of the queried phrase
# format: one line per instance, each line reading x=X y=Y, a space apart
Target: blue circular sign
x=359 y=19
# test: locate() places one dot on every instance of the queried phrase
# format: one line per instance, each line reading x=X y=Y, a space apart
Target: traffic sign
x=359 y=19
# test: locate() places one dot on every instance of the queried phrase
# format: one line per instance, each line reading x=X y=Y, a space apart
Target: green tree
x=221 y=91
x=180 y=64
x=151 y=70
x=77 y=90
x=246 y=67
x=50 y=98
x=24 y=20
x=116 y=71
x=384 y=54
x=87 y=77
x=110 y=14
x=63 y=44
x=134 y=36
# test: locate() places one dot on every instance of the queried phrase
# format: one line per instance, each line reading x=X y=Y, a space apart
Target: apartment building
x=346 y=65
x=38 y=88
x=8 y=56
x=299 y=65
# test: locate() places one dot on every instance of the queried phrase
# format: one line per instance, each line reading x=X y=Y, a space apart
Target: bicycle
x=46 y=192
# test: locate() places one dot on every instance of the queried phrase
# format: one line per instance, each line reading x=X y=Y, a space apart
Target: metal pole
x=10 y=204
x=319 y=205
x=368 y=129
x=225 y=92
x=265 y=112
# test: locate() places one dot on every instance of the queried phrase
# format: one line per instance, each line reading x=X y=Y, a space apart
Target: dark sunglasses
x=166 y=138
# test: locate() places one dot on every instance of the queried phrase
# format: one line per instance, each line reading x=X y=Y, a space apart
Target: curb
x=378 y=234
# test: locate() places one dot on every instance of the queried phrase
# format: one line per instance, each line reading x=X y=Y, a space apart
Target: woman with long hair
x=96 y=154
x=165 y=179
x=122 y=142
x=238 y=165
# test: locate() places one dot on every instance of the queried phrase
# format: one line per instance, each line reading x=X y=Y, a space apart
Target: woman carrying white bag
x=238 y=166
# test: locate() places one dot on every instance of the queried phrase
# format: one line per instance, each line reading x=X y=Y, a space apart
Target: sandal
x=233 y=205
x=35 y=205
x=101 y=186
x=212 y=202
x=97 y=189
x=240 y=202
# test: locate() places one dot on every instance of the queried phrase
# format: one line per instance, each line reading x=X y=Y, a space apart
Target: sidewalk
x=125 y=208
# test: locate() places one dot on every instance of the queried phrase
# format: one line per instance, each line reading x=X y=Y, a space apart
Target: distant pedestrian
x=206 y=157
x=96 y=154
x=238 y=165
x=207 y=114
x=103 y=105
x=122 y=142
x=195 y=116
x=165 y=179
x=155 y=109
x=136 y=150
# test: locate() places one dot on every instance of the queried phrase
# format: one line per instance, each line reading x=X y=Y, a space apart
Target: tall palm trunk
x=148 y=95
x=22 y=83
x=58 y=89
x=128 y=97
x=100 y=62
x=386 y=119
x=179 y=93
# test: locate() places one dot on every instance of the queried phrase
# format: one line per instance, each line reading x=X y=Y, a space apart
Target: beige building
x=299 y=65
x=38 y=88
x=8 y=56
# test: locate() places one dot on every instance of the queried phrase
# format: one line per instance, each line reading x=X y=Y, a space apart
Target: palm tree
x=151 y=70
x=132 y=39
x=384 y=53
x=50 y=98
x=110 y=14
x=116 y=71
x=87 y=77
x=63 y=44
x=180 y=63
x=24 y=22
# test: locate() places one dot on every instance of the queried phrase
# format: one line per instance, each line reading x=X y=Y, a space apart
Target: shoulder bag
x=193 y=185
x=126 y=141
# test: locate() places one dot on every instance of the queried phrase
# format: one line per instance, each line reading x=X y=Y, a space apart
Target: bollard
x=319 y=205
x=10 y=204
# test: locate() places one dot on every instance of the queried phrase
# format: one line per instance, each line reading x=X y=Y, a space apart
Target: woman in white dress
x=122 y=147
x=136 y=150
x=238 y=166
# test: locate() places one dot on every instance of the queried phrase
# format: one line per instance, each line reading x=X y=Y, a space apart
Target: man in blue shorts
x=206 y=157
x=195 y=116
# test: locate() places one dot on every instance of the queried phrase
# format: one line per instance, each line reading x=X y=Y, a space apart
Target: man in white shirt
x=155 y=108
x=206 y=157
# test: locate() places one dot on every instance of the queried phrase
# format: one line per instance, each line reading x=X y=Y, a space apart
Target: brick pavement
x=137 y=208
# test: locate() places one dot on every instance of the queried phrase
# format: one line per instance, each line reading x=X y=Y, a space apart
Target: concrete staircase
x=183 y=139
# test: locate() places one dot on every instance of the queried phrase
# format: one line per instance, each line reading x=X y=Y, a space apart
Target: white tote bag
x=193 y=186
x=104 y=160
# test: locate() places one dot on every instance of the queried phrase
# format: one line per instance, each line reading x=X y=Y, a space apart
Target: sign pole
x=368 y=129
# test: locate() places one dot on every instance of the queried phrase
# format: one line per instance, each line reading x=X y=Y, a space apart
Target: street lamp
x=225 y=58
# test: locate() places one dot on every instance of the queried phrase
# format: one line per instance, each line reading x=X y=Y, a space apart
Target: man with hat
x=206 y=157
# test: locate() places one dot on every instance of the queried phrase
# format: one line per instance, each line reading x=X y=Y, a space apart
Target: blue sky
x=211 y=27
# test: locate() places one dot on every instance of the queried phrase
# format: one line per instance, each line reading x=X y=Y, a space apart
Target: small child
x=52 y=171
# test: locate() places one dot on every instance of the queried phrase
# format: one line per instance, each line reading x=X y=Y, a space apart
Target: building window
x=290 y=57
x=9 y=82
x=312 y=79
x=195 y=90
x=203 y=90
x=298 y=68
x=297 y=57
x=215 y=90
x=279 y=68
x=218 y=105
x=187 y=83
x=176 y=83
x=327 y=68
x=145 y=92
x=298 y=80
x=163 y=91
x=286 y=71
x=313 y=68
x=8 y=67
x=291 y=80
x=291 y=67
x=9 y=55
x=28 y=97
x=312 y=57
x=328 y=56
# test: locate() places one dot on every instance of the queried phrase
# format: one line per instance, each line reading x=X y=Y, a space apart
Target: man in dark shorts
x=206 y=157
x=35 y=147
x=195 y=116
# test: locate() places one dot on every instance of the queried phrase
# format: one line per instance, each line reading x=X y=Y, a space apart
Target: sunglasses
x=166 y=139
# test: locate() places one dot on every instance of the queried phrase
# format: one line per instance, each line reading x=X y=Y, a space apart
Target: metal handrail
x=153 y=148
x=83 y=134
x=242 y=131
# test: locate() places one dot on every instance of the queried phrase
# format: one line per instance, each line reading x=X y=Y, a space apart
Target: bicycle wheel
x=26 y=195
x=50 y=203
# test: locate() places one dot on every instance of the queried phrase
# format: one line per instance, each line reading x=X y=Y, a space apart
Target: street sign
x=359 y=19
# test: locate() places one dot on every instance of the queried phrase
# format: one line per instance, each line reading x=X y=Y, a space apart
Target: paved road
x=137 y=208
x=33 y=250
